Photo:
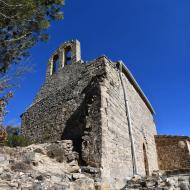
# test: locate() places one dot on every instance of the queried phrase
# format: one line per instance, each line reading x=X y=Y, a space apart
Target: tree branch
x=7 y=17
x=9 y=5
x=19 y=38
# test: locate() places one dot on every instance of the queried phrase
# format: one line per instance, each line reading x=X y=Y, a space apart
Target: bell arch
x=68 y=53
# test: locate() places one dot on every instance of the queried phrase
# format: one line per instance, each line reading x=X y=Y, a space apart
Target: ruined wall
x=173 y=152
x=67 y=107
x=116 y=145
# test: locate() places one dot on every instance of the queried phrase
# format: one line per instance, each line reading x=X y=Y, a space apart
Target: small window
x=55 y=64
x=68 y=55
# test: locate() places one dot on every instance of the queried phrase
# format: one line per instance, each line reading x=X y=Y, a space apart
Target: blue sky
x=151 y=36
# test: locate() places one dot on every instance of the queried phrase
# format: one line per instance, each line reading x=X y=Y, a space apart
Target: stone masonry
x=101 y=108
x=173 y=152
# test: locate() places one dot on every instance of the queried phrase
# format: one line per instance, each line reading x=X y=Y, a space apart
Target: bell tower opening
x=55 y=64
x=71 y=52
x=68 y=55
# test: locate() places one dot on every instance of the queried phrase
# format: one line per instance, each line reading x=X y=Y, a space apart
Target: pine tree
x=23 y=23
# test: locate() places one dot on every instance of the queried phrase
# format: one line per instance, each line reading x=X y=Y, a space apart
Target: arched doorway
x=145 y=160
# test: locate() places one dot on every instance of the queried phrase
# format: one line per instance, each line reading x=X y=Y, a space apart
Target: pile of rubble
x=54 y=166
x=51 y=166
x=160 y=181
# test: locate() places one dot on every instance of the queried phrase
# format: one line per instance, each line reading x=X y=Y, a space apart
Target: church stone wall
x=67 y=107
x=116 y=145
x=84 y=102
x=173 y=152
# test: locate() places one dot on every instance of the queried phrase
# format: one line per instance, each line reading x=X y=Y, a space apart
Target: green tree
x=12 y=130
x=23 y=23
x=14 y=137
x=16 y=140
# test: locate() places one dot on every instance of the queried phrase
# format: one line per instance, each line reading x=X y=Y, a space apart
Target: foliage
x=3 y=102
x=12 y=130
x=8 y=81
x=55 y=151
x=16 y=140
x=3 y=134
x=20 y=166
x=22 y=24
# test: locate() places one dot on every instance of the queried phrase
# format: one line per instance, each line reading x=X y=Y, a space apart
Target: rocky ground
x=160 y=181
x=45 y=166
x=54 y=166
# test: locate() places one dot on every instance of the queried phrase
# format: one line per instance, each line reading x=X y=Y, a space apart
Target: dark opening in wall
x=74 y=130
x=145 y=160
x=68 y=54
x=55 y=64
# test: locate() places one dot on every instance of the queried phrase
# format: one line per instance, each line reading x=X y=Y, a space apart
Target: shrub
x=16 y=140
x=55 y=151
x=28 y=157
x=20 y=166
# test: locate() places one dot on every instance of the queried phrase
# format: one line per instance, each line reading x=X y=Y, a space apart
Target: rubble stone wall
x=173 y=152
x=67 y=107
x=116 y=144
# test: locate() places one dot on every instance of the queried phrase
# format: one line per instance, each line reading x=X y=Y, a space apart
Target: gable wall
x=67 y=107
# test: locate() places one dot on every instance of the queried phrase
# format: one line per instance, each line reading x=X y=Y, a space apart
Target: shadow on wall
x=145 y=160
x=83 y=125
x=74 y=129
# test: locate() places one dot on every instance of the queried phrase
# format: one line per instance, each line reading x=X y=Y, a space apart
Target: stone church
x=100 y=107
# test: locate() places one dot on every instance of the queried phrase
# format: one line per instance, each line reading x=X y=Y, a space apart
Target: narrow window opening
x=145 y=160
x=55 y=64
x=188 y=146
x=68 y=54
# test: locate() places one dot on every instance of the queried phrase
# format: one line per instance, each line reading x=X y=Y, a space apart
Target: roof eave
x=129 y=74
